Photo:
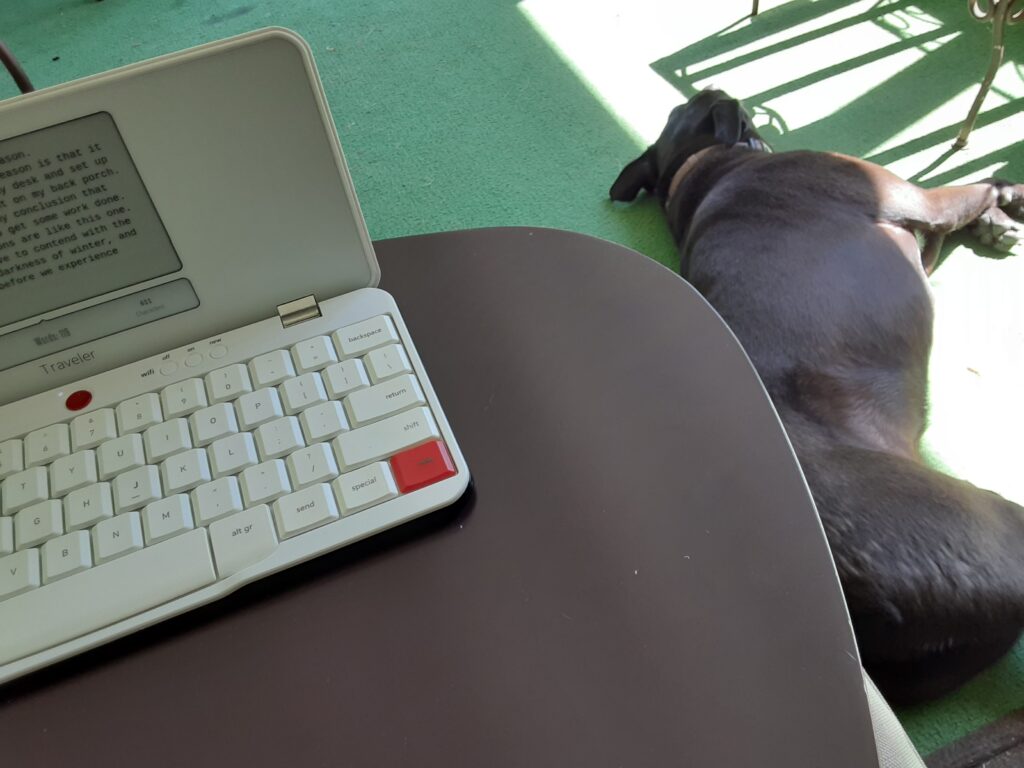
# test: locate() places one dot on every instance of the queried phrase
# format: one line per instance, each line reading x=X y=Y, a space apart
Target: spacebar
x=101 y=596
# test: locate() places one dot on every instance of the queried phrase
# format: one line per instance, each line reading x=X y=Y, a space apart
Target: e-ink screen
x=76 y=220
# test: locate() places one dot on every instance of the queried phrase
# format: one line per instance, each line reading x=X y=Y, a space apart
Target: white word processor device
x=199 y=383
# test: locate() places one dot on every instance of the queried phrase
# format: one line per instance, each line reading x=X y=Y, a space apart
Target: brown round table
x=637 y=576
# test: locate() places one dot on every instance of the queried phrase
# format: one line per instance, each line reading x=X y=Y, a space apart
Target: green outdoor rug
x=470 y=113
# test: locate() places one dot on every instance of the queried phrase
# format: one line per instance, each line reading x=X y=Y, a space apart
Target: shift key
x=384 y=438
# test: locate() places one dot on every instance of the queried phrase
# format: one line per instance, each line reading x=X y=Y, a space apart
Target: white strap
x=891 y=741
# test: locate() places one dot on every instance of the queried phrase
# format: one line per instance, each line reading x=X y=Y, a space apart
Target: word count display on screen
x=75 y=219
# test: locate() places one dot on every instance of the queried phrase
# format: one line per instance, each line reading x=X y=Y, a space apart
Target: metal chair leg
x=1000 y=13
x=754 y=12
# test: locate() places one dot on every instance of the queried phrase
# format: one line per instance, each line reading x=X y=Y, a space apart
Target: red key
x=422 y=465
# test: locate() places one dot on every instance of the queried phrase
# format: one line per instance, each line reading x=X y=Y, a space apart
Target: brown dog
x=813 y=260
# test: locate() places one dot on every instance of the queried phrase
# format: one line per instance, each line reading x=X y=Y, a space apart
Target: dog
x=818 y=262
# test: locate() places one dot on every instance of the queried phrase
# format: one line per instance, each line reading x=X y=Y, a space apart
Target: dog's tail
x=932 y=567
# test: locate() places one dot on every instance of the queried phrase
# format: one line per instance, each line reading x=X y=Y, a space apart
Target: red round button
x=78 y=400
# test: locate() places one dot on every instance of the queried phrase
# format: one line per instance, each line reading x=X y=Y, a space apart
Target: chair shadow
x=871 y=119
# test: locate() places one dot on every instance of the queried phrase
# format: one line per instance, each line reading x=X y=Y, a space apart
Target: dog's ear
x=642 y=173
x=729 y=122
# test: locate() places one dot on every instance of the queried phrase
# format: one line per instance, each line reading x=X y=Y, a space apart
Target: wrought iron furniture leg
x=1001 y=13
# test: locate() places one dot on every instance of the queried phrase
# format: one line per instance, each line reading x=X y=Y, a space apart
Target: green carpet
x=469 y=113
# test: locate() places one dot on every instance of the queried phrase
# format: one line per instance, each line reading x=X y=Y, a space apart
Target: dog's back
x=834 y=312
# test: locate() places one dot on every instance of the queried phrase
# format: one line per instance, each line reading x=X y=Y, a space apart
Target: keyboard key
x=104 y=595
x=279 y=437
x=167 y=517
x=242 y=539
x=117 y=536
x=383 y=399
x=342 y=378
x=66 y=555
x=186 y=470
x=315 y=464
x=211 y=501
x=306 y=509
x=183 y=398
x=6 y=535
x=264 y=482
x=385 y=362
x=35 y=524
x=18 y=573
x=302 y=392
x=11 y=458
x=231 y=454
x=91 y=429
x=166 y=439
x=24 y=488
x=139 y=413
x=228 y=383
x=120 y=455
x=324 y=421
x=271 y=368
x=87 y=506
x=361 y=337
x=136 y=488
x=384 y=438
x=314 y=354
x=421 y=466
x=45 y=445
x=259 y=407
x=72 y=472
x=213 y=423
x=365 y=487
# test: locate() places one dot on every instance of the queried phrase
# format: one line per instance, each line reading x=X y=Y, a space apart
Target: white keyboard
x=192 y=473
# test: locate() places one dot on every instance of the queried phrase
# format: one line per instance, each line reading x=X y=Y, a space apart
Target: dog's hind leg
x=932 y=567
x=989 y=208
x=948 y=209
x=943 y=209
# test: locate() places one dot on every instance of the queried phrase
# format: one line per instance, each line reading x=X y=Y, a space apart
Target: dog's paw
x=996 y=228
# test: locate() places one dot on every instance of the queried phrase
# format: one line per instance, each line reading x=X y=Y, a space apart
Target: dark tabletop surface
x=636 y=578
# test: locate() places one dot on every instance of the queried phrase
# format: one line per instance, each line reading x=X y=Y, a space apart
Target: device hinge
x=298 y=311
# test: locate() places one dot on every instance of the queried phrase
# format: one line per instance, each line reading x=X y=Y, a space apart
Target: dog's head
x=710 y=118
